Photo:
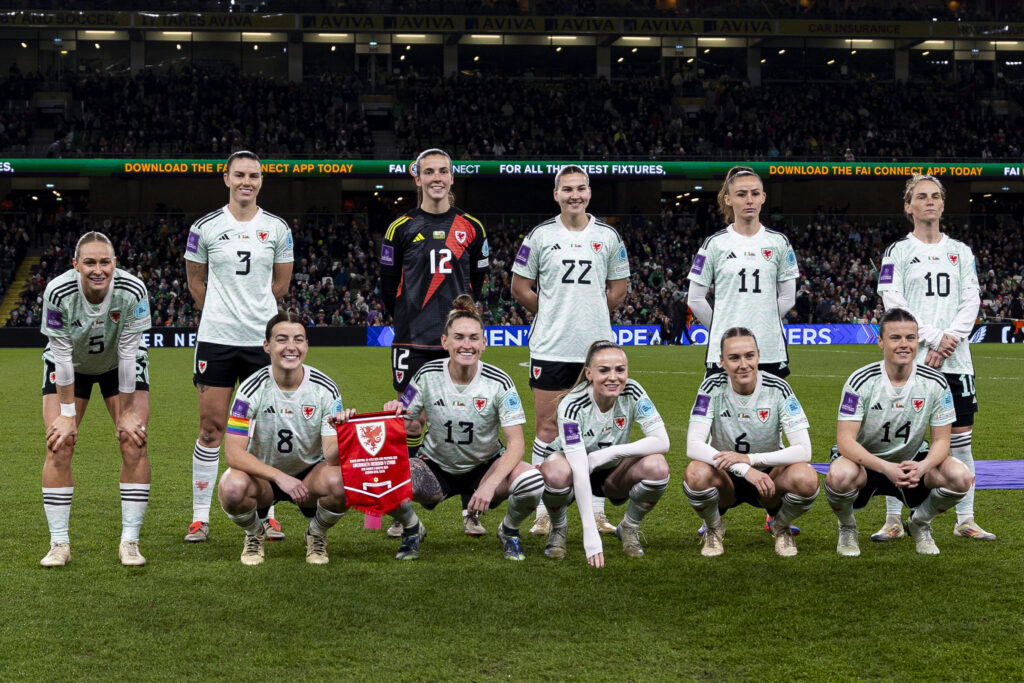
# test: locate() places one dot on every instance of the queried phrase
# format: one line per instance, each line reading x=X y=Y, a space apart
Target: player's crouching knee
x=334 y=499
x=698 y=475
x=232 y=488
x=557 y=473
x=959 y=478
x=842 y=476
x=655 y=467
x=805 y=481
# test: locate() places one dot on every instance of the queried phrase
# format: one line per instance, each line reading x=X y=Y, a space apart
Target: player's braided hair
x=734 y=172
x=736 y=332
x=414 y=168
x=92 y=236
x=912 y=182
x=283 y=317
x=895 y=315
x=462 y=307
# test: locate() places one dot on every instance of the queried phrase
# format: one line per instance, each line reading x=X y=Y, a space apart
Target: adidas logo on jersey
x=224 y=238
x=439 y=402
x=419 y=237
x=914 y=260
x=732 y=254
x=269 y=411
x=725 y=413
x=555 y=246
x=877 y=406
x=590 y=432
x=77 y=323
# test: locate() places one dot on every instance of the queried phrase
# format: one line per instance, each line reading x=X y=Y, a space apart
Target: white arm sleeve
x=787 y=296
x=799 y=450
x=928 y=334
x=697 y=447
x=966 y=314
x=61 y=349
x=655 y=442
x=697 y=300
x=127 y=347
x=577 y=458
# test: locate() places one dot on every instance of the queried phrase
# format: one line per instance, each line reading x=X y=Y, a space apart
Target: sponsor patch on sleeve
x=698 y=264
x=571 y=433
x=387 y=255
x=885 y=275
x=523 y=256
x=54 y=319
x=512 y=402
x=645 y=408
x=408 y=395
x=483 y=263
x=947 y=400
x=485 y=249
x=337 y=406
x=700 y=406
x=193 y=242
x=790 y=258
x=849 y=404
x=240 y=408
x=792 y=407
x=621 y=254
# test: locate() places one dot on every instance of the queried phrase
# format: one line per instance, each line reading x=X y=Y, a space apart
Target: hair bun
x=464 y=302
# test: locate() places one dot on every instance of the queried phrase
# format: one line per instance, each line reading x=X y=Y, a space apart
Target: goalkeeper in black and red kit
x=429 y=256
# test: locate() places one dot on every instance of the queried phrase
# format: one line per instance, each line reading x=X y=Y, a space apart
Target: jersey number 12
x=440 y=261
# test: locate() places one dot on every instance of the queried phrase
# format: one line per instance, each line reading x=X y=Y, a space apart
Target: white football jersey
x=895 y=421
x=463 y=422
x=581 y=422
x=94 y=330
x=748 y=424
x=932 y=278
x=745 y=272
x=240 y=258
x=571 y=270
x=285 y=430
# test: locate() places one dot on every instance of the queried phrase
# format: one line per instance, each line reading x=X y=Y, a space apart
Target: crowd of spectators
x=205 y=111
x=336 y=273
x=195 y=110
x=968 y=10
x=639 y=118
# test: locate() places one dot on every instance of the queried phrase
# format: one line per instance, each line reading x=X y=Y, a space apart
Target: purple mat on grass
x=989 y=474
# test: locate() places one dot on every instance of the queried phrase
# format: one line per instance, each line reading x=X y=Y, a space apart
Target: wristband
x=67 y=410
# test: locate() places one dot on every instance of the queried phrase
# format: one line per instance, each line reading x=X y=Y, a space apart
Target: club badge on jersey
x=374 y=462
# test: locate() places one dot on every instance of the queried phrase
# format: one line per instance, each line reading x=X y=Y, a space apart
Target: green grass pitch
x=462 y=612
